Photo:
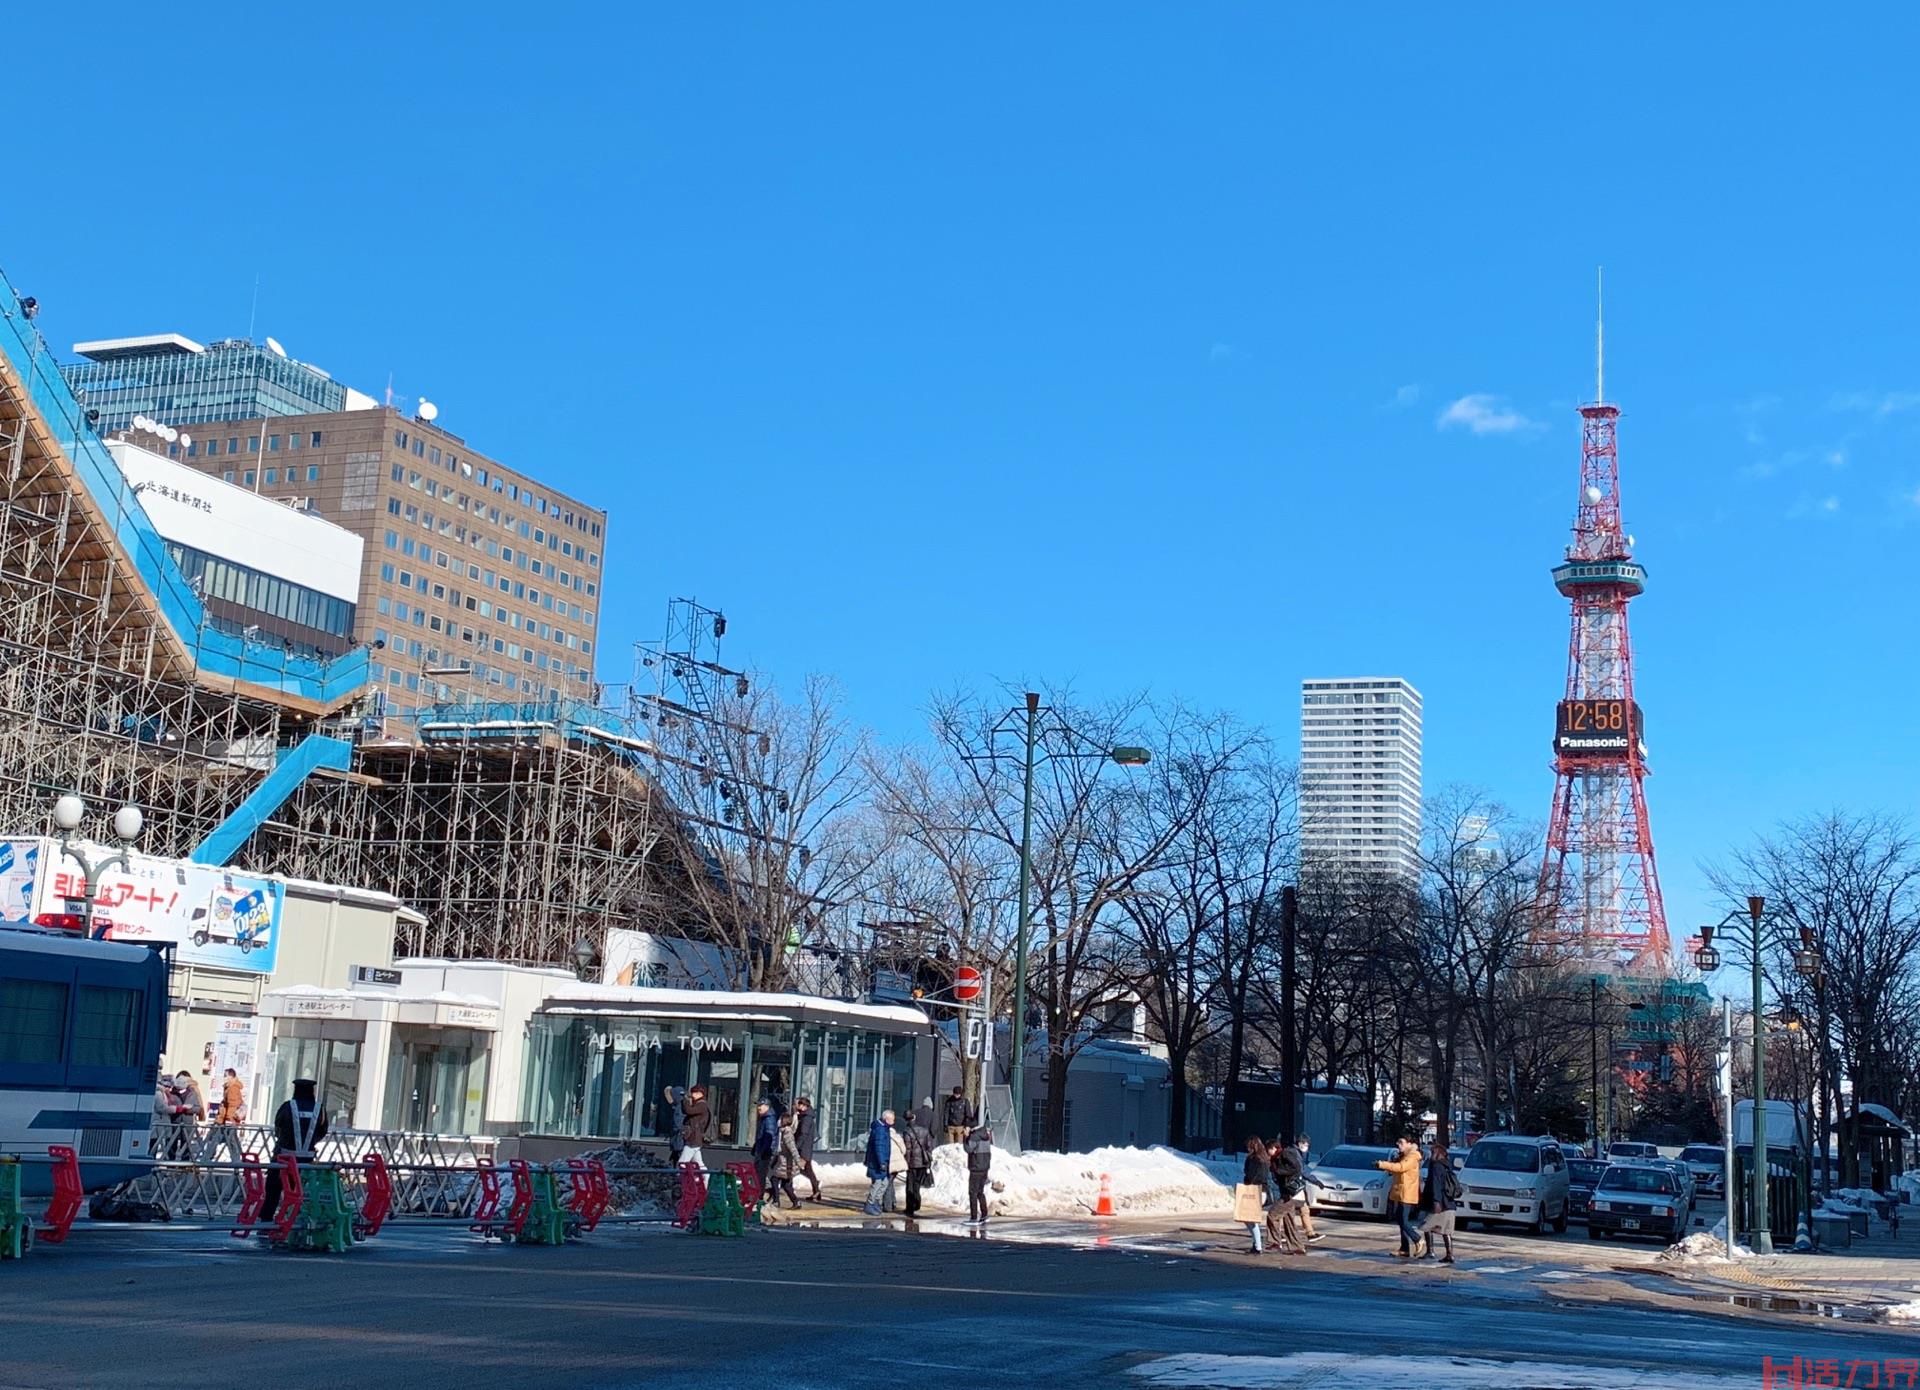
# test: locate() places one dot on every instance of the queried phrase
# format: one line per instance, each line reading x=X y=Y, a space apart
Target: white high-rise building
x=1360 y=774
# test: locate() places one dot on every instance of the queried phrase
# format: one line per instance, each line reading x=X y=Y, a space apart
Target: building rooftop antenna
x=1599 y=335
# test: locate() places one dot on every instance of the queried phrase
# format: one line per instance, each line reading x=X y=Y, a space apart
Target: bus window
x=33 y=1021
x=106 y=1027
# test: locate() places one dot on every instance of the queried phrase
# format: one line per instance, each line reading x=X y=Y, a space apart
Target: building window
x=227 y=476
x=316 y=439
x=273 y=476
x=313 y=472
x=249 y=477
x=273 y=443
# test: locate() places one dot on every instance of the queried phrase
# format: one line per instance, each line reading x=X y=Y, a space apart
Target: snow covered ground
x=1144 y=1182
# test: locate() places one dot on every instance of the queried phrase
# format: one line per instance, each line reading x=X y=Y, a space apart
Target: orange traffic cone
x=1104 y=1207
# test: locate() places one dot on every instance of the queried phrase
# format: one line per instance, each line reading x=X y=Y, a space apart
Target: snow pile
x=1703 y=1247
x=1903 y=1312
x=1144 y=1182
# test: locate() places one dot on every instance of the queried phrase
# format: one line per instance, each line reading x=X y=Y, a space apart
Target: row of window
x=512 y=491
x=417 y=682
x=479 y=510
x=263 y=593
x=210 y=448
x=272 y=476
x=505 y=583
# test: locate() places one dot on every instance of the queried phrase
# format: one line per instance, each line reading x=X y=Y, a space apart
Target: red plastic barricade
x=749 y=1177
x=253 y=1194
x=487 y=1207
x=292 y=1197
x=693 y=1196
x=66 y=1195
x=522 y=1174
x=589 y=1195
x=378 y=1201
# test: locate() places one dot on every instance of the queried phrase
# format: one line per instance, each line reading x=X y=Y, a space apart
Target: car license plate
x=1629 y=1224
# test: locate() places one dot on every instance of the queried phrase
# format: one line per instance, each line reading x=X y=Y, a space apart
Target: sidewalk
x=1878 y=1270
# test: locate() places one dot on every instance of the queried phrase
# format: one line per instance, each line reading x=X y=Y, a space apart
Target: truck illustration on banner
x=234 y=918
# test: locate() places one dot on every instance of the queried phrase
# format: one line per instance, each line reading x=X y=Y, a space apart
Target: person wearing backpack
x=1440 y=1198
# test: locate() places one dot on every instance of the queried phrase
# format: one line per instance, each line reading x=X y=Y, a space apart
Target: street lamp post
x=68 y=812
x=1807 y=962
x=1032 y=727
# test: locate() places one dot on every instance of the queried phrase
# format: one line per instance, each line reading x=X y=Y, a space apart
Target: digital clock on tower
x=1596 y=728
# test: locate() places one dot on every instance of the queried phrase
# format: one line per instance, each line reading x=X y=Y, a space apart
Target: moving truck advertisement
x=212 y=916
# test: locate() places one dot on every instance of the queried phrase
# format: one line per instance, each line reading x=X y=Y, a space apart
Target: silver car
x=1347 y=1178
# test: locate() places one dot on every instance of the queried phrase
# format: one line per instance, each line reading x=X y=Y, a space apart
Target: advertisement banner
x=19 y=866
x=213 y=916
x=666 y=962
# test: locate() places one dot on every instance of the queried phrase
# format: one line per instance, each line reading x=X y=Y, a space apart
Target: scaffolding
x=517 y=831
x=517 y=837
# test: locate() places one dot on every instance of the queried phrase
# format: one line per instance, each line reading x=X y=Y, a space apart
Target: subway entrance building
x=599 y=1059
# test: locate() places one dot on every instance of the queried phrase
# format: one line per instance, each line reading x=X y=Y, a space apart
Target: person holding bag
x=1249 y=1197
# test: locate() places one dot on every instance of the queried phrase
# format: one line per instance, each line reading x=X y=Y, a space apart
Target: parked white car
x=1514 y=1180
x=1346 y=1179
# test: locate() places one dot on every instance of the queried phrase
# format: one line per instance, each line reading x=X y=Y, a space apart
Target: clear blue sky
x=1107 y=344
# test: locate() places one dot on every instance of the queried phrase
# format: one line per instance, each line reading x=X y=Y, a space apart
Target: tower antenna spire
x=1599 y=334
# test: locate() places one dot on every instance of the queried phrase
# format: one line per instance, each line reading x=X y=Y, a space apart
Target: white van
x=1514 y=1180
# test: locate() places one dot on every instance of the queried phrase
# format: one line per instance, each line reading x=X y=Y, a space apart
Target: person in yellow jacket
x=1403 y=1197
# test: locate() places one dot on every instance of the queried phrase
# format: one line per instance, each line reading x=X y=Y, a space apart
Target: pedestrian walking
x=896 y=1165
x=766 y=1141
x=1250 y=1196
x=1403 y=1194
x=979 y=1151
x=696 y=1115
x=879 y=1162
x=673 y=1120
x=1291 y=1162
x=1284 y=1231
x=185 y=1110
x=806 y=1131
x=1440 y=1195
x=298 y=1127
x=786 y=1161
x=919 y=1144
x=959 y=1116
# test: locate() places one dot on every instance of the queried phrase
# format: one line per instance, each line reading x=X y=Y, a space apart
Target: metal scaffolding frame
x=515 y=842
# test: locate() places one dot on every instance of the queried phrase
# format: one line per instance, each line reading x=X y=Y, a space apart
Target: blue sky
x=1107 y=344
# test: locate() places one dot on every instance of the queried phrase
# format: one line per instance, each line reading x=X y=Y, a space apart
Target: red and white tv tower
x=1598 y=880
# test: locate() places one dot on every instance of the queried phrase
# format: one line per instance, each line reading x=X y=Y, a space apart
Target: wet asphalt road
x=809 y=1308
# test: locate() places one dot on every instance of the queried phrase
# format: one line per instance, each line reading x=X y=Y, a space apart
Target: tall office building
x=478 y=582
x=172 y=379
x=1360 y=775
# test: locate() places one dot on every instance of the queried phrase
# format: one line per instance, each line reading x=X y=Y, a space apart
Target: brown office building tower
x=479 y=584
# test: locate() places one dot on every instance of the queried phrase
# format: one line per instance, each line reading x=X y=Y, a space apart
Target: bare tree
x=1851 y=884
x=1094 y=838
x=1199 y=920
x=767 y=794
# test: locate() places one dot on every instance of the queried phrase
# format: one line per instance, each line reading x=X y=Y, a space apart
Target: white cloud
x=1814 y=508
x=1484 y=414
x=1835 y=458
x=1220 y=352
x=1407 y=395
x=1877 y=403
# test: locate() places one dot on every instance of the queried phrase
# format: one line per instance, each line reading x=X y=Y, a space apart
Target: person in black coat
x=1254 y=1173
x=1437 y=1203
x=806 y=1132
x=766 y=1142
x=958 y=1116
x=298 y=1127
x=979 y=1149
x=919 y=1141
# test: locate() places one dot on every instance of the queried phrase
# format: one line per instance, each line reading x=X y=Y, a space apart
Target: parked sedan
x=1637 y=1199
x=1583 y=1175
x=1689 y=1189
x=1346 y=1179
